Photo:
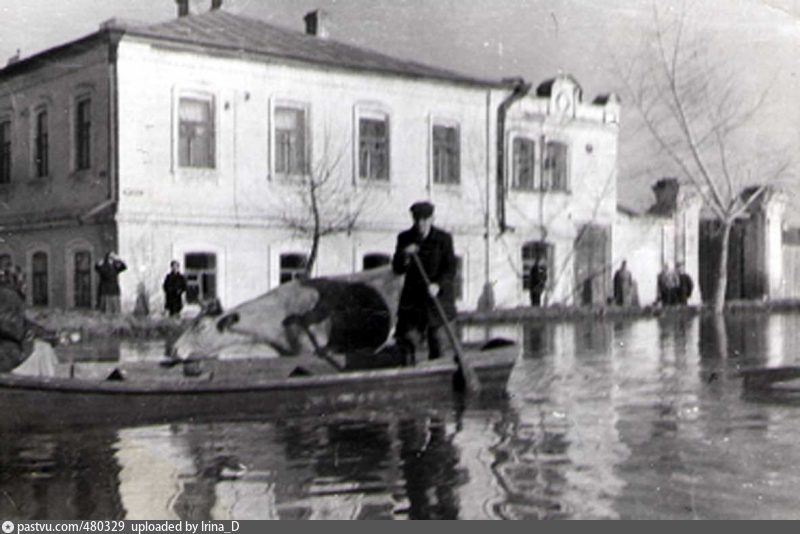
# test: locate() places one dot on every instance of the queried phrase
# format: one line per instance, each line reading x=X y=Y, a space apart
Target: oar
x=470 y=377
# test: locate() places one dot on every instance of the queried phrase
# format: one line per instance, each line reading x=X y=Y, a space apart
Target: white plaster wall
x=556 y=216
x=236 y=206
x=638 y=241
x=647 y=242
x=241 y=186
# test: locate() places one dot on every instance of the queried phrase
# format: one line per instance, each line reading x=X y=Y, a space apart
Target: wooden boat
x=110 y=393
x=772 y=379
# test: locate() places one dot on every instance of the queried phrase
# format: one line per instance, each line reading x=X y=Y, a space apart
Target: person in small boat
x=20 y=352
x=417 y=316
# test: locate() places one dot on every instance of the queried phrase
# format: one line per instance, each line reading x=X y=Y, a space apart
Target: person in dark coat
x=623 y=286
x=668 y=284
x=174 y=287
x=108 y=288
x=685 y=285
x=16 y=343
x=538 y=282
x=417 y=315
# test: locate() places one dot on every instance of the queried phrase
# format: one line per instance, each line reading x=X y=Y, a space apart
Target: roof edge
x=456 y=78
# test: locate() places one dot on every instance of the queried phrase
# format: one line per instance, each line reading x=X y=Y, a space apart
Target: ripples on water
x=635 y=419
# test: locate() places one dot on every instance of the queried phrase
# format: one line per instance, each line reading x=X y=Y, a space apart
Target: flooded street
x=620 y=420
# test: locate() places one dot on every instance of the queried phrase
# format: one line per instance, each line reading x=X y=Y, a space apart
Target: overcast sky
x=493 y=39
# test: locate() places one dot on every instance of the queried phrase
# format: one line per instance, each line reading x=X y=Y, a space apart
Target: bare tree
x=324 y=202
x=701 y=117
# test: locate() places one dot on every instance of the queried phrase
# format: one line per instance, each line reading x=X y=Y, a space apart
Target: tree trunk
x=312 y=256
x=722 y=269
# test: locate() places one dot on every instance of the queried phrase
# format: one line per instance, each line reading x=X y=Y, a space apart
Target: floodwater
x=618 y=420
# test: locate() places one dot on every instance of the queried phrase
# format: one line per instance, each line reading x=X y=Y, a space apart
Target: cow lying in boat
x=339 y=315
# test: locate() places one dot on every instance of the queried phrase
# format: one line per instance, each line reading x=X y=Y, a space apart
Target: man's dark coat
x=439 y=261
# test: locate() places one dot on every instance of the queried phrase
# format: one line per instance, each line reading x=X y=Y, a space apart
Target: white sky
x=493 y=39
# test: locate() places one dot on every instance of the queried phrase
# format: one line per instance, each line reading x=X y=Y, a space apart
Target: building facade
x=201 y=139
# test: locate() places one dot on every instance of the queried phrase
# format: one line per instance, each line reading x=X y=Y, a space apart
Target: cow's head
x=255 y=328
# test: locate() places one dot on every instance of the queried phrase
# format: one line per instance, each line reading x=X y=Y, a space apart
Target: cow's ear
x=227 y=321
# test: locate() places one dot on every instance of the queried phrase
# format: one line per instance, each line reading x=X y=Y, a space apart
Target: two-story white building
x=198 y=140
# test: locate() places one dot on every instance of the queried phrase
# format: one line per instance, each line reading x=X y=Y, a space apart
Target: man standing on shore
x=685 y=285
x=108 y=289
x=174 y=287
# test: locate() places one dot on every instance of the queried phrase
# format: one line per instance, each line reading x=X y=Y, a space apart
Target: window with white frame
x=292 y=266
x=83 y=133
x=446 y=154
x=40 y=293
x=200 y=270
x=5 y=151
x=290 y=139
x=40 y=144
x=196 y=136
x=373 y=146
x=554 y=167
x=523 y=167
x=82 y=279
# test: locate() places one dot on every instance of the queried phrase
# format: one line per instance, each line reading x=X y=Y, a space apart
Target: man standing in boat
x=417 y=315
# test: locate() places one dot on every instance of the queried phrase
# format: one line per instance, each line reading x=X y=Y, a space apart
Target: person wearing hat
x=417 y=315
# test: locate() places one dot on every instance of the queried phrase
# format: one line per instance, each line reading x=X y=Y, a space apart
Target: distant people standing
x=174 y=287
x=623 y=286
x=108 y=292
x=685 y=285
x=668 y=286
x=538 y=282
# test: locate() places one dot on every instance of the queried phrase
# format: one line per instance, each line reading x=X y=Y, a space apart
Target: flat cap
x=421 y=210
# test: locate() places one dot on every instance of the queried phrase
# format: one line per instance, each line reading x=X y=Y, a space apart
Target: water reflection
x=616 y=419
x=55 y=476
x=376 y=468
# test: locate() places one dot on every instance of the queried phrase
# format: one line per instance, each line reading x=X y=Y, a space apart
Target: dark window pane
x=41 y=141
x=554 y=168
x=532 y=251
x=5 y=152
x=372 y=261
x=446 y=148
x=290 y=142
x=196 y=133
x=373 y=161
x=83 y=279
x=39 y=280
x=292 y=266
x=200 y=270
x=83 y=134
x=524 y=164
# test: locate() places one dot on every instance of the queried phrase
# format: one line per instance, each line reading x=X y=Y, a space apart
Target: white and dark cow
x=341 y=315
